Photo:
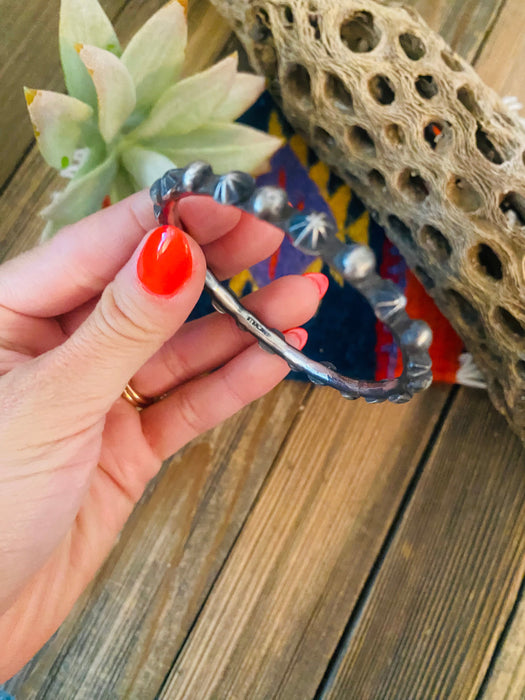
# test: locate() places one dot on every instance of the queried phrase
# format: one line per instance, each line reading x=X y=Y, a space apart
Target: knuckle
x=236 y=398
x=117 y=316
x=177 y=366
x=190 y=414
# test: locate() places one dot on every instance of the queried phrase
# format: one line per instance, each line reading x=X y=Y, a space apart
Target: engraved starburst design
x=309 y=230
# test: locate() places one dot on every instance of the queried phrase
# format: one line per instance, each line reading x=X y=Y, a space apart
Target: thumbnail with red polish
x=165 y=261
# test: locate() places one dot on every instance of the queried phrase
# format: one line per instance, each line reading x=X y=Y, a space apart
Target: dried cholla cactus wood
x=432 y=151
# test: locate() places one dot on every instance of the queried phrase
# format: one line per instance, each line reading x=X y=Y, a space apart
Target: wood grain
x=449 y=580
x=278 y=609
x=507 y=677
x=123 y=636
x=464 y=24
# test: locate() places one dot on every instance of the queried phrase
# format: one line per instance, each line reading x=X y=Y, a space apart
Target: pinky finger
x=206 y=401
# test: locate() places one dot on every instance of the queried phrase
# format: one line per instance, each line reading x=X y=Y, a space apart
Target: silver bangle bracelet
x=314 y=234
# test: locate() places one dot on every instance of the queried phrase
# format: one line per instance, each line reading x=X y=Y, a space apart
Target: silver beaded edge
x=313 y=233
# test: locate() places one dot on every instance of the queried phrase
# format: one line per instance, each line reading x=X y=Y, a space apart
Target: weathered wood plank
x=276 y=613
x=450 y=578
x=123 y=636
x=507 y=678
x=463 y=24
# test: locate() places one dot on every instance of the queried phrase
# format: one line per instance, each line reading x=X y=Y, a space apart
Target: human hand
x=76 y=324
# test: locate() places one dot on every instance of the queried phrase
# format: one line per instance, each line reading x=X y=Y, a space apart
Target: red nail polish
x=296 y=337
x=165 y=261
x=320 y=280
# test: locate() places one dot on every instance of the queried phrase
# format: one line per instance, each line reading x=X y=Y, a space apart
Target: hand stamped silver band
x=315 y=234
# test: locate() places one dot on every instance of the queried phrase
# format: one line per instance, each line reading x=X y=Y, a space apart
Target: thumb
x=146 y=303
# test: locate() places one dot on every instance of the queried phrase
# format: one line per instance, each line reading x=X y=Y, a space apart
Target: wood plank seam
x=501 y=641
x=333 y=666
x=489 y=31
x=18 y=165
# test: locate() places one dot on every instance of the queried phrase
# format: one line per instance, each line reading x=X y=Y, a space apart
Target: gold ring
x=137 y=399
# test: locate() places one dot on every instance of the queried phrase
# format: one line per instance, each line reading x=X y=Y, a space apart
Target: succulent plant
x=130 y=116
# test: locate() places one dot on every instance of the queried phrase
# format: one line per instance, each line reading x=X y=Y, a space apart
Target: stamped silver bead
x=270 y=204
x=400 y=398
x=417 y=336
x=357 y=263
x=310 y=231
x=196 y=176
x=234 y=188
x=387 y=300
x=420 y=383
x=171 y=183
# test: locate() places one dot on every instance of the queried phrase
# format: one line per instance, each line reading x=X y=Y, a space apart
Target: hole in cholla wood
x=513 y=206
x=467 y=310
x=298 y=82
x=323 y=138
x=438 y=134
x=467 y=99
x=436 y=243
x=395 y=134
x=413 y=186
x=412 y=45
x=339 y=93
x=381 y=89
x=427 y=87
x=463 y=194
x=359 y=33
x=488 y=261
x=377 y=180
x=509 y=323
x=361 y=142
x=400 y=229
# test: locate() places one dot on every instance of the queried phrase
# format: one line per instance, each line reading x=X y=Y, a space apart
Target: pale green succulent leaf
x=155 y=55
x=145 y=166
x=246 y=90
x=190 y=103
x=83 y=195
x=49 y=230
x=224 y=146
x=83 y=22
x=114 y=86
x=58 y=122
x=122 y=186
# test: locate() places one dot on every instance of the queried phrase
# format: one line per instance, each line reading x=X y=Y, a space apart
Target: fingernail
x=165 y=261
x=296 y=337
x=320 y=281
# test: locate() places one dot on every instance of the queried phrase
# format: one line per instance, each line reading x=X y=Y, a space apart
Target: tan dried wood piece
x=448 y=582
x=433 y=152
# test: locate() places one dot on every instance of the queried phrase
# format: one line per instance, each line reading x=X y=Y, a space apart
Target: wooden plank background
x=308 y=547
